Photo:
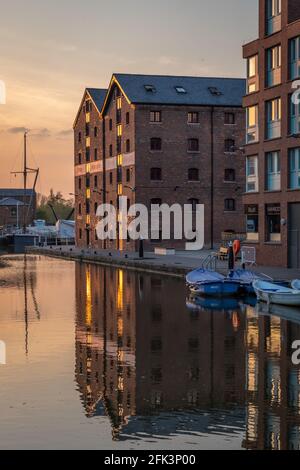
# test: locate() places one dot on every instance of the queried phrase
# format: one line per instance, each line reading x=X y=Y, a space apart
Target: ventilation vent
x=215 y=91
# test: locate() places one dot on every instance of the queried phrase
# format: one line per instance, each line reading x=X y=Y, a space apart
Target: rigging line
x=16 y=157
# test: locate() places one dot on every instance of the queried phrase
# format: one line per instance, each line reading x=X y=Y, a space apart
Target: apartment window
x=193 y=145
x=273 y=16
x=229 y=146
x=111 y=178
x=110 y=124
x=252 y=174
x=95 y=181
x=87 y=207
x=252 y=124
x=80 y=234
x=294 y=168
x=294 y=117
x=87 y=130
x=79 y=183
x=193 y=118
x=273 y=223
x=229 y=118
x=193 y=202
x=193 y=174
x=273 y=63
x=110 y=150
x=156 y=174
x=87 y=155
x=79 y=158
x=252 y=221
x=229 y=205
x=96 y=155
x=96 y=132
x=252 y=74
x=127 y=146
x=128 y=175
x=155 y=116
x=229 y=175
x=79 y=209
x=273 y=118
x=79 y=137
x=127 y=118
x=87 y=182
x=95 y=209
x=294 y=58
x=273 y=171
x=119 y=116
x=155 y=144
x=119 y=174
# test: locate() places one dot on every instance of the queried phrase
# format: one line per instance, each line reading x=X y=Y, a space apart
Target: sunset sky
x=51 y=50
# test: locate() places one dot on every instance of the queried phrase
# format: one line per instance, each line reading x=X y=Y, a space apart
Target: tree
x=61 y=206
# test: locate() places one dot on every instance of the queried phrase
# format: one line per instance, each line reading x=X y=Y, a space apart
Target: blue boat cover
x=245 y=276
x=203 y=275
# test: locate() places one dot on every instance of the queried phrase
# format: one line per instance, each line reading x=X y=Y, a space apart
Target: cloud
x=44 y=132
x=17 y=130
x=66 y=132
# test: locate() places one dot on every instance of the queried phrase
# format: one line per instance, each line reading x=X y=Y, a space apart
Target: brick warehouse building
x=272 y=199
x=15 y=206
x=161 y=139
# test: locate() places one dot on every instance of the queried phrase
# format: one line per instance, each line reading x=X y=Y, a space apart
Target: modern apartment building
x=272 y=199
x=161 y=139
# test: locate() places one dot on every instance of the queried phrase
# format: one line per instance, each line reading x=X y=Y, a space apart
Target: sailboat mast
x=25 y=179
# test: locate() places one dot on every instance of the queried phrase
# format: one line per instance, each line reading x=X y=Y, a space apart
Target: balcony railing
x=253 y=84
x=252 y=135
x=273 y=130
x=274 y=77
x=273 y=24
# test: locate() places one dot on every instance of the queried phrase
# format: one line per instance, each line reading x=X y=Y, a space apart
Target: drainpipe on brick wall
x=212 y=177
x=104 y=170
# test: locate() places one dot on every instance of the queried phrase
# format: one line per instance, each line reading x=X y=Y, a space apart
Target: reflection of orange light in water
x=88 y=317
x=120 y=289
x=236 y=320
x=120 y=326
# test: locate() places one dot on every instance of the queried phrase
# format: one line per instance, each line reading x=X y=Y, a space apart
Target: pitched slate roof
x=16 y=193
x=9 y=201
x=199 y=90
x=98 y=96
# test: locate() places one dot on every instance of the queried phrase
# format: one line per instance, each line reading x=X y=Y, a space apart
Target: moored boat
x=246 y=279
x=296 y=284
x=276 y=294
x=203 y=275
x=221 y=288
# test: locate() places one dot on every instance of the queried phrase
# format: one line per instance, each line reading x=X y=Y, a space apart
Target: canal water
x=102 y=358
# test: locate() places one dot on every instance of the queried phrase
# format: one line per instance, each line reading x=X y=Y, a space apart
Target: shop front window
x=273 y=223
x=251 y=212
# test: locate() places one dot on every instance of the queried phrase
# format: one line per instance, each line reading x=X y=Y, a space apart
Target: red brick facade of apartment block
x=149 y=150
x=272 y=200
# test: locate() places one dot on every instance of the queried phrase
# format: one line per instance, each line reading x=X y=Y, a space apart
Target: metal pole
x=25 y=180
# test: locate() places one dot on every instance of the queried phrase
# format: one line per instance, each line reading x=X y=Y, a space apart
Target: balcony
x=273 y=24
x=273 y=130
x=252 y=135
x=274 y=77
x=252 y=84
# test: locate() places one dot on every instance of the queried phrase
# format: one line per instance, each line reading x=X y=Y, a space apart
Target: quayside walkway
x=174 y=265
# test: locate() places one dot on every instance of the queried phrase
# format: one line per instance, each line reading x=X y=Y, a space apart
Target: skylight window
x=150 y=88
x=215 y=91
x=180 y=89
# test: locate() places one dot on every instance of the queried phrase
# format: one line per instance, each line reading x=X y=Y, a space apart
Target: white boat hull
x=280 y=296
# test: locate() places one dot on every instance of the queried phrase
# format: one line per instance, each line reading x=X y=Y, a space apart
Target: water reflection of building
x=273 y=384
x=140 y=352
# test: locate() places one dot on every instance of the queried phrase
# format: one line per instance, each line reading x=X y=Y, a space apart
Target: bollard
x=230 y=257
x=141 y=248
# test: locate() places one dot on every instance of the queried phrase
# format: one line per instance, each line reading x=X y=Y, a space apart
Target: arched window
x=229 y=145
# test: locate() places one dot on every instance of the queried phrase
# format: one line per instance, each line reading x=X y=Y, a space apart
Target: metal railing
x=210 y=262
